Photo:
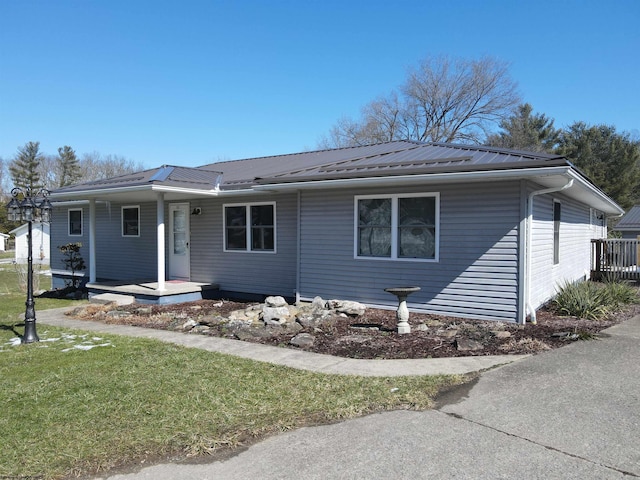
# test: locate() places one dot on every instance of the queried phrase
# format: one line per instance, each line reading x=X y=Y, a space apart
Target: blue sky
x=192 y=82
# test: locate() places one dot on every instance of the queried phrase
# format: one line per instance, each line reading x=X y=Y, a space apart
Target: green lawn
x=70 y=411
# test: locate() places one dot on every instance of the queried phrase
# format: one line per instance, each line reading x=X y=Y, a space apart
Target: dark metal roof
x=391 y=158
x=630 y=220
x=167 y=175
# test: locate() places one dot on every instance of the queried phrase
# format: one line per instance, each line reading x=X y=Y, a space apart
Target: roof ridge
x=322 y=150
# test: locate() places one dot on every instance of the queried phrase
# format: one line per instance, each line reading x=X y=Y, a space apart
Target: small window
x=75 y=222
x=399 y=227
x=557 y=211
x=249 y=227
x=131 y=221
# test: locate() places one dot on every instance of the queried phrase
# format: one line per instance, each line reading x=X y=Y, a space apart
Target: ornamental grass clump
x=593 y=301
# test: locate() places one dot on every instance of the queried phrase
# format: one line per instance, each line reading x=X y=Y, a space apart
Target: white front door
x=179 y=258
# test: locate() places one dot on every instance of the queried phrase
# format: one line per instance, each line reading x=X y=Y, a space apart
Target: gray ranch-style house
x=486 y=233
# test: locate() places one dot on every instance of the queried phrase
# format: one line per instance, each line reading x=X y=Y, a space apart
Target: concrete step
x=104 y=298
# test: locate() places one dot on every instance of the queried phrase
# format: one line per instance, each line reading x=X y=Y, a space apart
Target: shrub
x=592 y=300
x=620 y=293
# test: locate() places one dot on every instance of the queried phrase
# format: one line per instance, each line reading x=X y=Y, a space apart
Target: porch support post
x=160 y=242
x=92 y=240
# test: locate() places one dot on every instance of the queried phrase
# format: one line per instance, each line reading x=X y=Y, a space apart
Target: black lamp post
x=27 y=206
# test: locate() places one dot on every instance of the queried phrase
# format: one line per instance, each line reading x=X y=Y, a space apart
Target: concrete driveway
x=570 y=413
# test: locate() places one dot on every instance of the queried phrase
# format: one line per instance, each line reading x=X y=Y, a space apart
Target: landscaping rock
x=451 y=333
x=347 y=307
x=275 y=302
x=318 y=304
x=303 y=340
x=275 y=315
x=311 y=320
x=501 y=334
x=189 y=324
x=468 y=345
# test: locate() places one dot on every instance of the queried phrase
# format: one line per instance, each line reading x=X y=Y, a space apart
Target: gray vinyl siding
x=576 y=232
x=125 y=258
x=475 y=277
x=262 y=273
x=59 y=231
x=117 y=257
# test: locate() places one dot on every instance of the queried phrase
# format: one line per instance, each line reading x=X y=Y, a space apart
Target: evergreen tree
x=525 y=130
x=68 y=166
x=610 y=159
x=24 y=167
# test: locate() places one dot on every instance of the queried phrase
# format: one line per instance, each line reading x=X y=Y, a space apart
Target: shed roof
x=630 y=220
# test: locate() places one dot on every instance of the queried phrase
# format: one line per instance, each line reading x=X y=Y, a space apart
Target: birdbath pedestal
x=403 y=312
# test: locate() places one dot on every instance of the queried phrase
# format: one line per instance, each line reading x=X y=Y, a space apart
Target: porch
x=147 y=291
x=615 y=258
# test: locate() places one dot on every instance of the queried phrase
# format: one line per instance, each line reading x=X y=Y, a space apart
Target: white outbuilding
x=40 y=245
x=3 y=241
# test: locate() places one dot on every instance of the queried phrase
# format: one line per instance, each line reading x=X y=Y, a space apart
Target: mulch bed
x=373 y=335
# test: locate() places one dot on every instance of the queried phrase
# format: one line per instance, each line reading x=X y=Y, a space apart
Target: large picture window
x=398 y=227
x=131 y=221
x=75 y=222
x=250 y=227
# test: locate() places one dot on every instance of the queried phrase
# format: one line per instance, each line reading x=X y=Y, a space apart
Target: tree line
x=446 y=99
x=32 y=169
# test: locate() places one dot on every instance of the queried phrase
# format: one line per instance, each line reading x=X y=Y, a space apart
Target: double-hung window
x=75 y=222
x=397 y=227
x=131 y=221
x=250 y=227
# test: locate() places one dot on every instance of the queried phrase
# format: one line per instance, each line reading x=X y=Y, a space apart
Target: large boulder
x=347 y=307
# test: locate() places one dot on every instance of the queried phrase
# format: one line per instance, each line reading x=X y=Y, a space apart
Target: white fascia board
x=69 y=203
x=91 y=193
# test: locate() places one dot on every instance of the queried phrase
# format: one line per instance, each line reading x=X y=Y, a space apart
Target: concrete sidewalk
x=286 y=356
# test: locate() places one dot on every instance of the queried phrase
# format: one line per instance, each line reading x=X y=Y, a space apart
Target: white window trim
x=69 y=222
x=394 y=227
x=122 y=221
x=248 y=249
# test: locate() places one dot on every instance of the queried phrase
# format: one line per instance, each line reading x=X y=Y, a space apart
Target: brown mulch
x=373 y=335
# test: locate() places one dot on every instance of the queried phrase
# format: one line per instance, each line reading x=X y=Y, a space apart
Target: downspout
x=529 y=241
x=298 y=243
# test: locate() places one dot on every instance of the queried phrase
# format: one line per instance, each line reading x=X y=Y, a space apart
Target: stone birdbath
x=403 y=312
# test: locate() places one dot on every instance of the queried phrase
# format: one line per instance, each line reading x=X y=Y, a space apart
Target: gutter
x=528 y=242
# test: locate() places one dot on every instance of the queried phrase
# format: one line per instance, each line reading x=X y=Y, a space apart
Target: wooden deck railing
x=615 y=258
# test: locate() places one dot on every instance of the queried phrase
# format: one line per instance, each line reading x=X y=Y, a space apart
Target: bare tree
x=442 y=100
x=94 y=166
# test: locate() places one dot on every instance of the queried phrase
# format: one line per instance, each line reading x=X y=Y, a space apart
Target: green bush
x=620 y=293
x=592 y=300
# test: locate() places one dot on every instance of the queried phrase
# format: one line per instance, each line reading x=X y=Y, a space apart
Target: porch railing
x=615 y=258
